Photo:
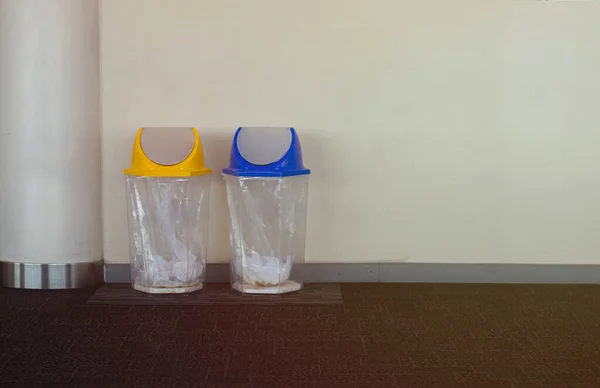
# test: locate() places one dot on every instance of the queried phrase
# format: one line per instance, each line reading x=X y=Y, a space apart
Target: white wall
x=437 y=131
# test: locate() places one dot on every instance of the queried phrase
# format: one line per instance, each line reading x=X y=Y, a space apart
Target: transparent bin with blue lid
x=168 y=192
x=267 y=190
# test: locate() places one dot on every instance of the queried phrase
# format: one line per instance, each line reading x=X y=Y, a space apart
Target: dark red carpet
x=382 y=335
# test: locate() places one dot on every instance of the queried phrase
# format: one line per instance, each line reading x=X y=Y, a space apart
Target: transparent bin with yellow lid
x=168 y=191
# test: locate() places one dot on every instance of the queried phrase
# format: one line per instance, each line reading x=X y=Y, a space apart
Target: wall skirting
x=412 y=273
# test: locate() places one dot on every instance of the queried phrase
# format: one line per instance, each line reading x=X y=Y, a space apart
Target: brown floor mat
x=217 y=294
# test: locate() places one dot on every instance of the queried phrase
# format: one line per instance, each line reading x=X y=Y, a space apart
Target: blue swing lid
x=266 y=152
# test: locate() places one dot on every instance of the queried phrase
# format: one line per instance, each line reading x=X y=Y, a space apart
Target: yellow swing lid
x=167 y=152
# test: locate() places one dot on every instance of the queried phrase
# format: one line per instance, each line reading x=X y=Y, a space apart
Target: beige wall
x=437 y=131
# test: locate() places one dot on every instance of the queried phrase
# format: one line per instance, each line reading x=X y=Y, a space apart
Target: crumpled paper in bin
x=181 y=270
x=263 y=271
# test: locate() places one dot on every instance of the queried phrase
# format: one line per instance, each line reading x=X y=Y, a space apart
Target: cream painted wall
x=437 y=131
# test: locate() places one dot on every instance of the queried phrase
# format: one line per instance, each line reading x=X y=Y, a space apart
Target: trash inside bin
x=267 y=189
x=168 y=190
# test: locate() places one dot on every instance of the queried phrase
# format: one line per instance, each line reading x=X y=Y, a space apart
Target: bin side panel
x=268 y=229
x=168 y=232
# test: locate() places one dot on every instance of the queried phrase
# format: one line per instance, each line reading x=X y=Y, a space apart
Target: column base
x=51 y=276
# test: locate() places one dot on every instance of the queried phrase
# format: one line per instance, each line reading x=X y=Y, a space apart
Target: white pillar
x=50 y=179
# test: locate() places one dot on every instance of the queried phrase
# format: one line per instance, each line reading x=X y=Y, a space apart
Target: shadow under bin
x=267 y=191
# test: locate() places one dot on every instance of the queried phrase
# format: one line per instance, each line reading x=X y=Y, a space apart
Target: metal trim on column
x=51 y=276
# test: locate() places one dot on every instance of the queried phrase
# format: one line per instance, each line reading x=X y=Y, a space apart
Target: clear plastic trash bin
x=168 y=190
x=267 y=190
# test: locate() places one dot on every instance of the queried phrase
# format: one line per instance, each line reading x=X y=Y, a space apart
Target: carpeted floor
x=382 y=335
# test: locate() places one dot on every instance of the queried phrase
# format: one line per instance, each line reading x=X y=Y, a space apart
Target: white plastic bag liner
x=267 y=234
x=168 y=232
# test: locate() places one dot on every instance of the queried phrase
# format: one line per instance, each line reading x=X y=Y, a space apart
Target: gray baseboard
x=412 y=273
